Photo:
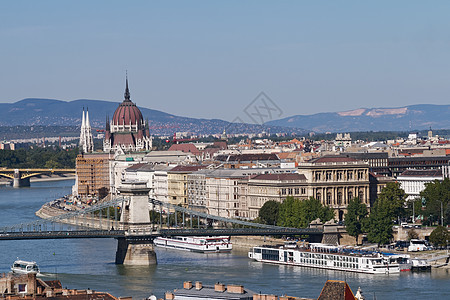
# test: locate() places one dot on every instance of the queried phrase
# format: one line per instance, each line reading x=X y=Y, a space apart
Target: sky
x=210 y=59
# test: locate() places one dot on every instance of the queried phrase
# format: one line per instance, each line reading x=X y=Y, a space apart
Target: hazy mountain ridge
x=412 y=117
x=50 y=112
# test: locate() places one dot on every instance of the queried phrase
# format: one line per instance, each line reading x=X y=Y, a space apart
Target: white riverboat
x=316 y=255
x=205 y=244
x=25 y=267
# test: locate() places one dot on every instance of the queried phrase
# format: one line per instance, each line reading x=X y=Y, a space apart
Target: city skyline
x=211 y=60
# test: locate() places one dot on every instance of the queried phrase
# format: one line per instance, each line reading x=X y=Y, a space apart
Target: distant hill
x=412 y=117
x=50 y=112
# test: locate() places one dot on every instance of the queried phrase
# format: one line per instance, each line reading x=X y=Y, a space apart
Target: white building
x=413 y=181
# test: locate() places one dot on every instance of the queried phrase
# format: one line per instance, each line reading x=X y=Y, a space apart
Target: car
x=405 y=225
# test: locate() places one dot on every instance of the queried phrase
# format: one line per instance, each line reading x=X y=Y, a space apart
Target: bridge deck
x=77 y=234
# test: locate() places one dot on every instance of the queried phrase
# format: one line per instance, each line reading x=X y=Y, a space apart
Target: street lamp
x=442 y=214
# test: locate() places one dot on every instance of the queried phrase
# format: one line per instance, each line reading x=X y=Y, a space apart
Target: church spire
x=127 y=91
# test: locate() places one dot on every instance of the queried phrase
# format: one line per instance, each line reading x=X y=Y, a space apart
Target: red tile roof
x=186 y=148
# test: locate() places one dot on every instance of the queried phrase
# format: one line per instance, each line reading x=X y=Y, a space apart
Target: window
x=350 y=195
x=303 y=191
x=283 y=191
x=328 y=198
x=297 y=191
x=289 y=191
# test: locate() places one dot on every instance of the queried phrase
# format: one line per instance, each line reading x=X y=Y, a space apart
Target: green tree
x=299 y=213
x=412 y=234
x=439 y=236
x=434 y=193
x=388 y=207
x=392 y=199
x=355 y=217
x=379 y=226
x=313 y=209
x=289 y=212
x=268 y=213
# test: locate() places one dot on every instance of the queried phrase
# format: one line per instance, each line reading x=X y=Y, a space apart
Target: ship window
x=257 y=250
x=268 y=254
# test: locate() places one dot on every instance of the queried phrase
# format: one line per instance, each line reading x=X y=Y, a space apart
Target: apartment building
x=92 y=175
x=177 y=183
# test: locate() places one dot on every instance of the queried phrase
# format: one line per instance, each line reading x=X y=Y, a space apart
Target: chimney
x=264 y=297
x=169 y=296
x=31 y=283
x=235 y=289
x=198 y=285
x=219 y=287
x=187 y=285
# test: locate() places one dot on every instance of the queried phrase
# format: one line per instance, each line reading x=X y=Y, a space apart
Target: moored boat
x=317 y=255
x=25 y=267
x=206 y=244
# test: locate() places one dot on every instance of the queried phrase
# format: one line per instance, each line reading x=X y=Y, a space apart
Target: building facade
x=92 y=175
x=413 y=181
x=336 y=180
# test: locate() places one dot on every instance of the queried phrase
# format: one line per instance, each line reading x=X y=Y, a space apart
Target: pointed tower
x=82 y=133
x=89 y=145
x=86 y=139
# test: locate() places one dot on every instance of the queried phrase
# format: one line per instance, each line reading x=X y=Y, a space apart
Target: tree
x=268 y=213
x=299 y=213
x=439 y=236
x=289 y=213
x=388 y=206
x=313 y=209
x=379 y=226
x=412 y=234
x=355 y=216
x=392 y=199
x=434 y=193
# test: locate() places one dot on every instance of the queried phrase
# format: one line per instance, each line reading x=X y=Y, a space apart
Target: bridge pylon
x=18 y=181
x=135 y=220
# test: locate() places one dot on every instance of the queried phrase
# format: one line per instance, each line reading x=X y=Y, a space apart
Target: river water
x=89 y=263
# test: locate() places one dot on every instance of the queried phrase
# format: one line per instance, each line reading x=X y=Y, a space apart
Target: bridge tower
x=135 y=219
x=18 y=181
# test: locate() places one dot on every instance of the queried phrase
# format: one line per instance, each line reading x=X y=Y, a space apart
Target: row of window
x=328 y=176
x=293 y=191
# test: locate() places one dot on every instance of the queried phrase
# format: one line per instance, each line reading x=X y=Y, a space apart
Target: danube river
x=89 y=263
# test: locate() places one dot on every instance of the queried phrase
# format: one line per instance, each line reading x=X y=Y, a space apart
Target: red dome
x=127 y=113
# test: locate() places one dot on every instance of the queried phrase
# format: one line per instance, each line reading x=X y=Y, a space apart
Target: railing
x=40 y=229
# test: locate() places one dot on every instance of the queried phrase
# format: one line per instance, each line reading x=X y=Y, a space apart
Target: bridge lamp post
x=442 y=213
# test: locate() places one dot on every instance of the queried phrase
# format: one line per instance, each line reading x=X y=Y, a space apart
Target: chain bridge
x=135 y=220
x=21 y=177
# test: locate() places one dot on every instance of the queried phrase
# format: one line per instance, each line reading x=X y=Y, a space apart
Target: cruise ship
x=206 y=244
x=317 y=255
